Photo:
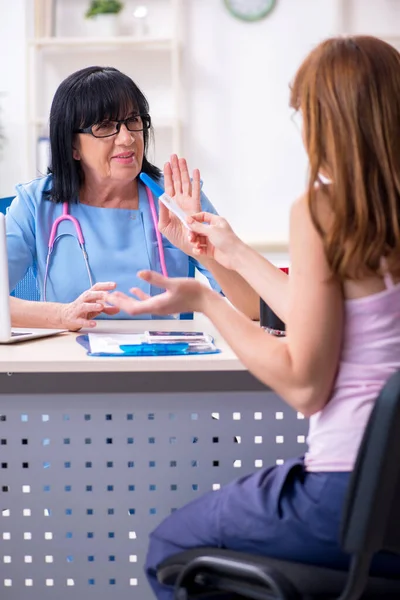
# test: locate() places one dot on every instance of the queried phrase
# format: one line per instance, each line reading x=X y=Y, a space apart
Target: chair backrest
x=5 y=203
x=26 y=289
x=371 y=518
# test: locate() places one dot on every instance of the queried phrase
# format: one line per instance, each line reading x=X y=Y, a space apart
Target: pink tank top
x=370 y=354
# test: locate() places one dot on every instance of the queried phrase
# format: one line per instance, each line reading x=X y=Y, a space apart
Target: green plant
x=103 y=7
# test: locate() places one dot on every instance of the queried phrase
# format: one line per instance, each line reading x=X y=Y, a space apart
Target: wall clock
x=250 y=10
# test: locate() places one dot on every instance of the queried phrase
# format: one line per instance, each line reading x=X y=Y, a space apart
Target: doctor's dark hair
x=348 y=92
x=86 y=97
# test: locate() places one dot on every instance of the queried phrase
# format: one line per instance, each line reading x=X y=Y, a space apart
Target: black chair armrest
x=245 y=578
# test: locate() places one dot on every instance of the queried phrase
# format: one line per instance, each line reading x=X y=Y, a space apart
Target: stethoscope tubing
x=81 y=240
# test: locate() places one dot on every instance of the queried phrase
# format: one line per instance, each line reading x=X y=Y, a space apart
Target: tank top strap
x=387 y=278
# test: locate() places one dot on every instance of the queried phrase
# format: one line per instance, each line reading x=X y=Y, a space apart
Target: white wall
x=238 y=129
x=13 y=101
x=378 y=17
x=240 y=133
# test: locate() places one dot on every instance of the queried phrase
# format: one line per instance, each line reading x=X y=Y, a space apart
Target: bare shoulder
x=299 y=209
x=306 y=237
x=300 y=202
x=301 y=213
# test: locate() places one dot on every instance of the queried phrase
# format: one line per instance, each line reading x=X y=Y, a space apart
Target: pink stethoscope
x=81 y=240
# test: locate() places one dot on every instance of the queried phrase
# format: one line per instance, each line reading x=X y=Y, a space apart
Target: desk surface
x=62 y=354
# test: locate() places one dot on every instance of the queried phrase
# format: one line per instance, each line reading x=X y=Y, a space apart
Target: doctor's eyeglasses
x=135 y=123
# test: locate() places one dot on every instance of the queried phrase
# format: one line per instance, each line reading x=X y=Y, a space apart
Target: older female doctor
x=90 y=225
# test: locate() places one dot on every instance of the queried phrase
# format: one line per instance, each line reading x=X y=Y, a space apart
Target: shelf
x=151 y=43
x=273 y=246
x=74 y=47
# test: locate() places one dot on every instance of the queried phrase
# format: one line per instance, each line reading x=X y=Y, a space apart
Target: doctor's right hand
x=213 y=237
x=81 y=312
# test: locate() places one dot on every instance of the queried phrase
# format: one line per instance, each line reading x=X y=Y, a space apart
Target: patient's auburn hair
x=348 y=92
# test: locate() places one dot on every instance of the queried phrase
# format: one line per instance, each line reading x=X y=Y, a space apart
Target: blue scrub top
x=119 y=242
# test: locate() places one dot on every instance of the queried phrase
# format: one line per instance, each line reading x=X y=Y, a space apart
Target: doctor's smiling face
x=112 y=148
x=99 y=132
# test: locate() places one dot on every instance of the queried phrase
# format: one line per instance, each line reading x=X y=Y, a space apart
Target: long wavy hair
x=348 y=93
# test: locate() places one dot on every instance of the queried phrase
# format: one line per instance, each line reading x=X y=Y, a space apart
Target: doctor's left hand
x=181 y=295
x=186 y=192
x=81 y=312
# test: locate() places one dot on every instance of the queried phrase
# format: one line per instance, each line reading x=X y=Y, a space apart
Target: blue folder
x=153 y=349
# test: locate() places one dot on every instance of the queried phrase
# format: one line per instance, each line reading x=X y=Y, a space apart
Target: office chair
x=370 y=524
x=26 y=289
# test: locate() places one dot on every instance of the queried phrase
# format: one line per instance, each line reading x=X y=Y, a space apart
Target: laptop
x=10 y=335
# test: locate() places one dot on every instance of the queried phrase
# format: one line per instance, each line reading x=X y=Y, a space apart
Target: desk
x=96 y=451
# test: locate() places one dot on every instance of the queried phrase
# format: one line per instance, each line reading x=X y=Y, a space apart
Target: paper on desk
x=109 y=343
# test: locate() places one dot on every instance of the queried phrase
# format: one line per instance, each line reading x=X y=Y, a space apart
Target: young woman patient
x=340 y=304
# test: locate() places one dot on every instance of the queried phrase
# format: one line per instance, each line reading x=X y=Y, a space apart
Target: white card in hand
x=174 y=208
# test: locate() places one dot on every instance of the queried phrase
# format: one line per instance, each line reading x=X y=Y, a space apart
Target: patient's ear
x=75 y=154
